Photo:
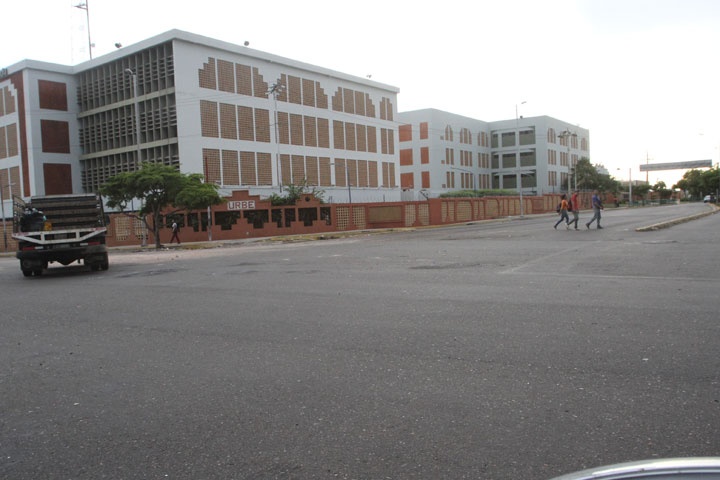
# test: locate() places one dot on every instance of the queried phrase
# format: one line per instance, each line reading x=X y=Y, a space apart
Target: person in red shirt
x=575 y=208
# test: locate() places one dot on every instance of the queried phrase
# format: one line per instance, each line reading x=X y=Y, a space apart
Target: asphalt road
x=498 y=350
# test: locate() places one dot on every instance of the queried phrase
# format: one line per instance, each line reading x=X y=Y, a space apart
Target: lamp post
x=516 y=111
x=136 y=131
x=518 y=178
x=275 y=90
x=630 y=200
x=86 y=6
x=2 y=206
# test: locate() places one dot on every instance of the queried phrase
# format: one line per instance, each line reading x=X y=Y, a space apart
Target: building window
x=405 y=133
x=423 y=130
x=406 y=157
x=52 y=95
x=508 y=139
x=55 y=136
x=527 y=137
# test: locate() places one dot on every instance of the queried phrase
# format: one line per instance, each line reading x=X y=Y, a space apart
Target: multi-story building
x=441 y=152
x=245 y=119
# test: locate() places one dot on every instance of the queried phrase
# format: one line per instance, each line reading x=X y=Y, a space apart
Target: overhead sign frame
x=652 y=167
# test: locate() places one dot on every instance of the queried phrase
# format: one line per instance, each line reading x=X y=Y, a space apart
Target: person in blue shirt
x=597 y=206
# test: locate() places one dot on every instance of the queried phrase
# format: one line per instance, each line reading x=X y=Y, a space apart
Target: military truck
x=62 y=229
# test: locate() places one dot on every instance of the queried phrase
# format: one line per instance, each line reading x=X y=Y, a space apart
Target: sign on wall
x=241 y=205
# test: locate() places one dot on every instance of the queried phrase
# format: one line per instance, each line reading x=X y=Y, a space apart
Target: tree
x=294 y=192
x=641 y=190
x=698 y=182
x=663 y=192
x=712 y=180
x=588 y=177
x=157 y=187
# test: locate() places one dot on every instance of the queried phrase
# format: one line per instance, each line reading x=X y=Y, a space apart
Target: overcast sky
x=641 y=75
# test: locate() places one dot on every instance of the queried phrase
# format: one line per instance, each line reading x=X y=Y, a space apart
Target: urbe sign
x=241 y=205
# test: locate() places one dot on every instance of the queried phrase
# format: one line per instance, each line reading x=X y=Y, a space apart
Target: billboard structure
x=651 y=167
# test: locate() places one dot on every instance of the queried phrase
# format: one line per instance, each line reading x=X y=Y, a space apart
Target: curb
x=677 y=221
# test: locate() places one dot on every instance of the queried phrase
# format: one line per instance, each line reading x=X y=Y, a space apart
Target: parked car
x=709 y=199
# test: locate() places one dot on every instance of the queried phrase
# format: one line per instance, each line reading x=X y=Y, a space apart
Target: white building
x=245 y=119
x=441 y=152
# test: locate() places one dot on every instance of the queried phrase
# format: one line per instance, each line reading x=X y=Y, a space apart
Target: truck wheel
x=105 y=264
x=27 y=273
x=37 y=272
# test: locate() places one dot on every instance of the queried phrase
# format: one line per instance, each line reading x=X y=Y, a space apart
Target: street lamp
x=567 y=135
x=518 y=178
x=275 y=90
x=85 y=6
x=136 y=131
x=516 y=111
x=517 y=158
x=630 y=200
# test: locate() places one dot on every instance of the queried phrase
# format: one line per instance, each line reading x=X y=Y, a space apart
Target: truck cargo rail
x=51 y=237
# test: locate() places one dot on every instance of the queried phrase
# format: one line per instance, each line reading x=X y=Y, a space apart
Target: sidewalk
x=351 y=233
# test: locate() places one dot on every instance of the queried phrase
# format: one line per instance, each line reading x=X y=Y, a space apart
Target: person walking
x=575 y=208
x=563 y=213
x=597 y=206
x=175 y=231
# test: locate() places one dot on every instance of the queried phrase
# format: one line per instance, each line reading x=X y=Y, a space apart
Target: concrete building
x=245 y=119
x=441 y=152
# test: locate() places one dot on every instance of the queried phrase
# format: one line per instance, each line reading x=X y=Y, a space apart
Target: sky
x=641 y=75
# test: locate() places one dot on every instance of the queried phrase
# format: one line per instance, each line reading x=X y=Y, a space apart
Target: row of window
x=94 y=172
x=246 y=168
x=241 y=79
x=466 y=180
x=505 y=139
x=110 y=83
x=253 y=124
x=115 y=128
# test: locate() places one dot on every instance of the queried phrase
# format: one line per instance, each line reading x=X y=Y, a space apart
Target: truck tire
x=27 y=273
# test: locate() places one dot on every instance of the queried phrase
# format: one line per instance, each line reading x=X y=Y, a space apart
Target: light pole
x=516 y=111
x=518 y=178
x=630 y=200
x=275 y=90
x=136 y=131
x=2 y=206
x=85 y=6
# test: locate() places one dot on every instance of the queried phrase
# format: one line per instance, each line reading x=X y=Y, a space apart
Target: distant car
x=709 y=199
